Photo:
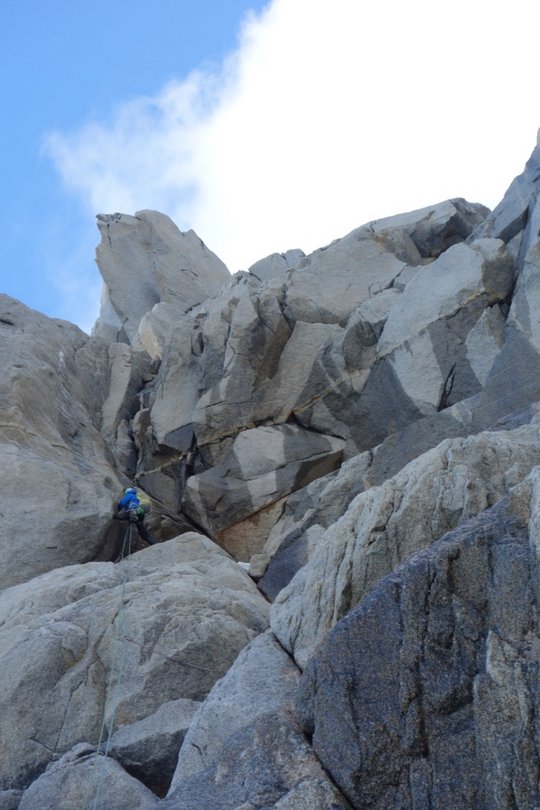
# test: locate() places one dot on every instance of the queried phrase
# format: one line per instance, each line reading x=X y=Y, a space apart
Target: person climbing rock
x=133 y=508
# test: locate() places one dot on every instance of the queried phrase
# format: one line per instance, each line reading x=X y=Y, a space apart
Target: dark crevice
x=447 y=389
x=293 y=419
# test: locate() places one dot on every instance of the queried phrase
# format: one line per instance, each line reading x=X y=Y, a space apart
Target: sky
x=263 y=126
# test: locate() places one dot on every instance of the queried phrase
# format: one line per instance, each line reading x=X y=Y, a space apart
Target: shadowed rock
x=83 y=779
x=385 y=525
x=424 y=694
x=263 y=465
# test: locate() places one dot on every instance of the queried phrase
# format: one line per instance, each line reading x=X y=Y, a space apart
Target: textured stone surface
x=57 y=475
x=330 y=283
x=404 y=699
x=385 y=525
x=461 y=275
x=420 y=363
x=128 y=371
x=276 y=265
x=511 y=217
x=248 y=538
x=82 y=779
x=263 y=465
x=144 y=259
x=164 y=624
x=148 y=750
x=215 y=371
x=320 y=503
x=66 y=406
x=267 y=762
x=362 y=425
x=252 y=356
x=513 y=380
x=262 y=681
x=10 y=799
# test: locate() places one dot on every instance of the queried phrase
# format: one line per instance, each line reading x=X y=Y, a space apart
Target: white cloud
x=328 y=115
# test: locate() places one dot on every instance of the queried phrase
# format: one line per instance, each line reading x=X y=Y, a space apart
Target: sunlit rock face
x=341 y=452
x=146 y=260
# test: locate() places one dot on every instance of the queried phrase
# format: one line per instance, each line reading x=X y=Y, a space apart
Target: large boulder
x=82 y=779
x=214 y=374
x=267 y=764
x=144 y=260
x=262 y=681
x=419 y=365
x=148 y=749
x=276 y=265
x=57 y=474
x=102 y=646
x=513 y=380
x=330 y=283
x=271 y=347
x=263 y=465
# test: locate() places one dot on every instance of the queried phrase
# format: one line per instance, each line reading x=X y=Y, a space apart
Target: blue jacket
x=129 y=501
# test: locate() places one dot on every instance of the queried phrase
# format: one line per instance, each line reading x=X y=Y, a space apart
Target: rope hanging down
x=115 y=675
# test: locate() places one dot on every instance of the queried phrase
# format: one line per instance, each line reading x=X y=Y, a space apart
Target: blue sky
x=262 y=125
x=64 y=63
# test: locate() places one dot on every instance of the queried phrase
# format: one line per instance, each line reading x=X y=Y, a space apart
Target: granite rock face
x=386 y=525
x=262 y=466
x=440 y=662
x=57 y=475
x=148 y=749
x=262 y=681
x=79 y=778
x=354 y=435
x=145 y=260
x=244 y=746
x=112 y=643
x=66 y=406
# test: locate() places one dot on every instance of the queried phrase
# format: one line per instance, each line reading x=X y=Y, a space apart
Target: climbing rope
x=115 y=676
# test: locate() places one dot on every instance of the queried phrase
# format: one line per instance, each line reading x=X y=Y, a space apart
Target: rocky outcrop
x=440 y=662
x=80 y=777
x=299 y=343
x=148 y=749
x=330 y=283
x=262 y=466
x=248 y=717
x=100 y=642
x=57 y=475
x=359 y=429
x=386 y=525
x=267 y=764
x=146 y=260
x=66 y=406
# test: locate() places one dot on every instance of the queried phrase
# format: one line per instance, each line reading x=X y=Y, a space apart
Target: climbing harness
x=115 y=674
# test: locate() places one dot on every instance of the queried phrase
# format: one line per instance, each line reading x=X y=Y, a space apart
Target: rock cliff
x=342 y=453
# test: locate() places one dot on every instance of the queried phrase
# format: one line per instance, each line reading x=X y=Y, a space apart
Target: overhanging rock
x=262 y=466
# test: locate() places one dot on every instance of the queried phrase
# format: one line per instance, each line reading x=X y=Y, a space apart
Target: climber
x=133 y=508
